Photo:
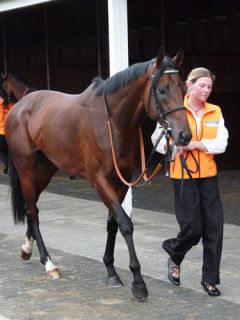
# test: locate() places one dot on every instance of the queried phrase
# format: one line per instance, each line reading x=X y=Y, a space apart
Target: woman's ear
x=189 y=85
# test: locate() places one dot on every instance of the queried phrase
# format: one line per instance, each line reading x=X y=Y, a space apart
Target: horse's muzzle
x=184 y=138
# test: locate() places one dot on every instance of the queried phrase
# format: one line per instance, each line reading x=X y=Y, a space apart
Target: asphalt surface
x=74 y=230
x=81 y=294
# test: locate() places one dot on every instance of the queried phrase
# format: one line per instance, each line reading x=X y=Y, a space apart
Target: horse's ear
x=178 y=59
x=160 y=56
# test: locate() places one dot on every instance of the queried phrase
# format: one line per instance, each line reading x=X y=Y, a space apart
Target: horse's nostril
x=183 y=138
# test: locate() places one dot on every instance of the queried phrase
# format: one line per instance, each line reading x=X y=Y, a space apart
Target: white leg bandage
x=28 y=246
x=49 y=265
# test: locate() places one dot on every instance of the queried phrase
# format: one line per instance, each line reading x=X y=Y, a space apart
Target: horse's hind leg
x=51 y=270
x=27 y=248
x=34 y=179
x=43 y=179
x=113 y=279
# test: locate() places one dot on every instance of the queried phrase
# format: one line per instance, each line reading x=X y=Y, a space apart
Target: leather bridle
x=164 y=123
x=153 y=91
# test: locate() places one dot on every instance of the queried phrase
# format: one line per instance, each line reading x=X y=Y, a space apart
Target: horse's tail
x=18 y=202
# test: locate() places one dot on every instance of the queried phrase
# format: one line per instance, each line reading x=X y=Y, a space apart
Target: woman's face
x=201 y=88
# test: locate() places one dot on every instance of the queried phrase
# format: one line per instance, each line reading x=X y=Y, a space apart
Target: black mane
x=120 y=79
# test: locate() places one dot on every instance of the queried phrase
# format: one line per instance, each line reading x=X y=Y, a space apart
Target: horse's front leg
x=113 y=280
x=111 y=198
x=139 y=289
x=51 y=270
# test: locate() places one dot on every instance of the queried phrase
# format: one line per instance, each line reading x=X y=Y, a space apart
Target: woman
x=201 y=219
x=5 y=106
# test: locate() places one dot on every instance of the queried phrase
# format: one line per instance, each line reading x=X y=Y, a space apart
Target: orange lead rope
x=143 y=162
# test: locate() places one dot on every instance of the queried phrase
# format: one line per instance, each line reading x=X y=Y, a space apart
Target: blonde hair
x=197 y=73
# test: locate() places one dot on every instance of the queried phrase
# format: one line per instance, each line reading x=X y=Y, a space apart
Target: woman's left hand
x=191 y=146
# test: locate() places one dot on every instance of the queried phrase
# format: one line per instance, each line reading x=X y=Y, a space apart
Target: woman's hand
x=195 y=145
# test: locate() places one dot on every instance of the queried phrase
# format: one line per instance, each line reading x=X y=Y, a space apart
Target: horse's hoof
x=139 y=291
x=114 y=282
x=24 y=255
x=53 y=274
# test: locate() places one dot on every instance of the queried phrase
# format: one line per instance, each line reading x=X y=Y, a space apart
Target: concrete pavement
x=74 y=230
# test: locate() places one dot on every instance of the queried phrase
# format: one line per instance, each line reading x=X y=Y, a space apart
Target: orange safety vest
x=3 y=113
x=208 y=130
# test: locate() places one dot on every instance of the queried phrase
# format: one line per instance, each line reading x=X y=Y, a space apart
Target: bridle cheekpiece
x=153 y=91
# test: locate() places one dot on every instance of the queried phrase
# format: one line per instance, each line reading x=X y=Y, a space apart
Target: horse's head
x=165 y=98
x=7 y=85
x=14 y=85
x=4 y=85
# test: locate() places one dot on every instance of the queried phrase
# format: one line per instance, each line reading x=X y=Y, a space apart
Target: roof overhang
x=7 y=5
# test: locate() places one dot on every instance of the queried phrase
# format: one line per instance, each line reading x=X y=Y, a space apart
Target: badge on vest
x=211 y=123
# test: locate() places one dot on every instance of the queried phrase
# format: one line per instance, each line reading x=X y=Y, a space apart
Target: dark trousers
x=203 y=221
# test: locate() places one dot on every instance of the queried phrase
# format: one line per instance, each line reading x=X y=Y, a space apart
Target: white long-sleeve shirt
x=214 y=146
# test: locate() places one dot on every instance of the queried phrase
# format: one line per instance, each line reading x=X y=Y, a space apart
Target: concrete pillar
x=118 y=55
x=118 y=35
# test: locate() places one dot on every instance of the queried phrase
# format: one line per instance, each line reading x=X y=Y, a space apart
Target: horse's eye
x=162 y=91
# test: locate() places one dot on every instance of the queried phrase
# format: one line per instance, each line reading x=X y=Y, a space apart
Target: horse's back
x=56 y=123
x=38 y=106
x=30 y=114
x=35 y=101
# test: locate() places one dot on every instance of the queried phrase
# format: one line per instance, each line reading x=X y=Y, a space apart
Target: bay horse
x=50 y=130
x=16 y=86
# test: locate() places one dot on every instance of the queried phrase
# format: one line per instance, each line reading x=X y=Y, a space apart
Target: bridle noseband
x=152 y=91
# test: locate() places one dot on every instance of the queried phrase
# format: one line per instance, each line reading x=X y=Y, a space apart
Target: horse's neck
x=129 y=112
x=20 y=90
x=126 y=118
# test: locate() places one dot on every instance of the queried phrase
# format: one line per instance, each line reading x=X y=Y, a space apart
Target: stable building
x=63 y=44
